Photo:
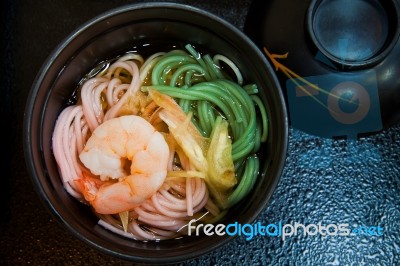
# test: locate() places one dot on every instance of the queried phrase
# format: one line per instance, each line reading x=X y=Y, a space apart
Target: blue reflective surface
x=331 y=181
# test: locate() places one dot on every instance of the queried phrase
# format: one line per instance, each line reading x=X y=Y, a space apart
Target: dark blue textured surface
x=328 y=181
x=332 y=182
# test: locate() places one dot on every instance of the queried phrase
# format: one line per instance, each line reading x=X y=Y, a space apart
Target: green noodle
x=251 y=89
x=215 y=72
x=183 y=69
x=247 y=181
x=239 y=112
x=199 y=86
x=165 y=65
x=199 y=59
x=264 y=117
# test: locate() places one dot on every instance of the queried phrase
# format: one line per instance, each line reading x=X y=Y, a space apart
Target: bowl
x=105 y=36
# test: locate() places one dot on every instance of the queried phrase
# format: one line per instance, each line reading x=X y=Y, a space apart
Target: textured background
x=324 y=180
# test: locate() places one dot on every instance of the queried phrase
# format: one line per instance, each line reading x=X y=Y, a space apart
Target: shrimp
x=129 y=158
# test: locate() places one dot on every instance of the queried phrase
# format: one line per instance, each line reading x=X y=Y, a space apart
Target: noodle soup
x=69 y=186
x=153 y=140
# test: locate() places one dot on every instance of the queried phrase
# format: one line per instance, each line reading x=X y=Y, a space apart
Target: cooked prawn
x=131 y=159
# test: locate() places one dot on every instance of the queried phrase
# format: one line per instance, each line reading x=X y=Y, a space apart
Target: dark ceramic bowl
x=105 y=36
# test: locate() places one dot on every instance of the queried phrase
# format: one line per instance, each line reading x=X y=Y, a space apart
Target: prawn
x=129 y=161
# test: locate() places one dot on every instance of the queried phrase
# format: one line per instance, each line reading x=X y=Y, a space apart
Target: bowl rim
x=41 y=74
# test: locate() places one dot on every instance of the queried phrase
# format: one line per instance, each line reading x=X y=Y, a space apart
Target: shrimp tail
x=88 y=186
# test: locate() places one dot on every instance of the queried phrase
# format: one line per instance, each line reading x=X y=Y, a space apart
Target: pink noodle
x=116 y=230
x=148 y=206
x=72 y=190
x=73 y=152
x=179 y=188
x=177 y=219
x=132 y=68
x=136 y=230
x=62 y=143
x=69 y=135
x=189 y=198
x=117 y=91
x=69 y=144
x=166 y=213
x=172 y=202
x=80 y=130
x=200 y=192
x=89 y=101
x=110 y=88
x=97 y=106
x=165 y=234
x=58 y=150
x=202 y=203
x=168 y=200
x=151 y=215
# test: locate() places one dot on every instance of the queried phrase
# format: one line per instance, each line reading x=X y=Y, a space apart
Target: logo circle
x=359 y=93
